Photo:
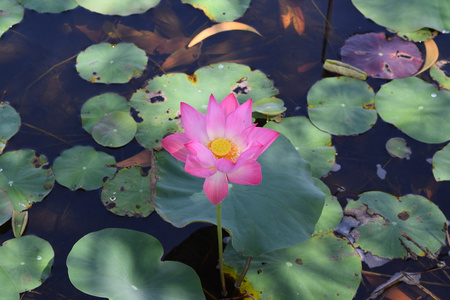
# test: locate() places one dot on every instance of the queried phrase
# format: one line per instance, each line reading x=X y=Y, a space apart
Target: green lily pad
x=441 y=164
x=421 y=35
x=128 y=193
x=221 y=11
x=438 y=74
x=269 y=106
x=341 y=106
x=312 y=144
x=25 y=177
x=118 y=7
x=111 y=63
x=82 y=167
x=416 y=108
x=99 y=106
x=6 y=208
x=19 y=222
x=118 y=263
x=49 y=6
x=397 y=147
x=416 y=14
x=115 y=129
x=158 y=103
x=332 y=212
x=11 y=13
x=383 y=218
x=323 y=267
x=10 y=120
x=27 y=261
x=7 y=288
x=248 y=212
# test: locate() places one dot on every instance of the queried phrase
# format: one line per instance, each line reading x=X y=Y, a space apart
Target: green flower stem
x=219 y=238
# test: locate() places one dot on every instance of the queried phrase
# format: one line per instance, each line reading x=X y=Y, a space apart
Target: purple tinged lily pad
x=381 y=58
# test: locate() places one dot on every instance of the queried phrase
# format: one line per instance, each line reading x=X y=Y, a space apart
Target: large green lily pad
x=332 y=212
x=118 y=7
x=383 y=218
x=128 y=193
x=312 y=144
x=111 y=63
x=341 y=105
x=415 y=14
x=6 y=208
x=27 y=261
x=323 y=267
x=10 y=123
x=118 y=264
x=116 y=129
x=25 y=177
x=49 y=6
x=221 y=11
x=287 y=197
x=158 y=103
x=11 y=13
x=417 y=108
x=82 y=167
x=441 y=164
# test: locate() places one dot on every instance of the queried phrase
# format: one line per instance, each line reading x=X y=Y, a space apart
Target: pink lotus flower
x=221 y=146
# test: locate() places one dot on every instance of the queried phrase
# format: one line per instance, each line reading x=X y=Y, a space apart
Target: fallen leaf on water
x=221 y=27
x=341 y=68
x=432 y=55
x=142 y=159
x=291 y=13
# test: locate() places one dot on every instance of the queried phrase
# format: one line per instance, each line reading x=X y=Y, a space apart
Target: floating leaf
x=27 y=261
x=11 y=13
x=25 y=177
x=397 y=147
x=10 y=120
x=341 y=68
x=118 y=7
x=383 y=218
x=269 y=106
x=221 y=11
x=158 y=104
x=287 y=185
x=115 y=129
x=323 y=267
x=82 y=167
x=111 y=63
x=225 y=26
x=341 y=105
x=142 y=159
x=332 y=212
x=416 y=108
x=441 y=164
x=416 y=14
x=438 y=73
x=19 y=222
x=99 y=106
x=379 y=58
x=128 y=193
x=432 y=55
x=49 y=6
x=292 y=14
x=420 y=35
x=312 y=144
x=118 y=263
x=6 y=208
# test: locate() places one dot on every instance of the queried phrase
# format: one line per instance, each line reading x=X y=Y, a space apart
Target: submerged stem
x=219 y=238
x=244 y=271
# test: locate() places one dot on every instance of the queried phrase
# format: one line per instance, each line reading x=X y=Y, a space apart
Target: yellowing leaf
x=221 y=27
x=291 y=13
x=432 y=55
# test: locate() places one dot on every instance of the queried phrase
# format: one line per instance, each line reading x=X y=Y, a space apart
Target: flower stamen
x=224 y=148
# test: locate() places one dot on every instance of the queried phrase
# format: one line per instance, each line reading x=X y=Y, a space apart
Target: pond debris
x=407 y=277
x=381 y=173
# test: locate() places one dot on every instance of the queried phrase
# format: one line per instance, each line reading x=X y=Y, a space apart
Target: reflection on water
x=39 y=79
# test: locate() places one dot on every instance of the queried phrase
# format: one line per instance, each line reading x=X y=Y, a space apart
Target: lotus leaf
x=99 y=106
x=10 y=124
x=111 y=63
x=383 y=218
x=27 y=261
x=421 y=35
x=341 y=105
x=118 y=263
x=269 y=106
x=25 y=177
x=416 y=108
x=49 y=6
x=248 y=212
x=158 y=103
x=415 y=14
x=82 y=167
x=379 y=58
x=397 y=147
x=115 y=129
x=438 y=73
x=312 y=144
x=441 y=164
x=128 y=193
x=7 y=288
x=323 y=267
x=221 y=11
x=118 y=7
x=11 y=13
x=19 y=222
x=341 y=68
x=6 y=208
x=332 y=211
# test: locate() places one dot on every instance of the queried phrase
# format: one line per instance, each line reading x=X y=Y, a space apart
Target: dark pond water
x=50 y=107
